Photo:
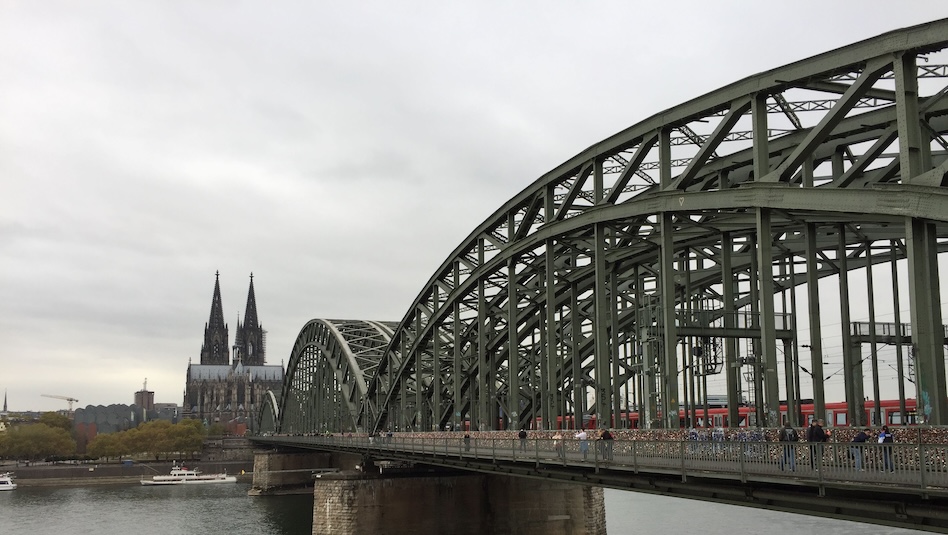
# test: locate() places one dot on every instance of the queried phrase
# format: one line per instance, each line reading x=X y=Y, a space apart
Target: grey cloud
x=339 y=152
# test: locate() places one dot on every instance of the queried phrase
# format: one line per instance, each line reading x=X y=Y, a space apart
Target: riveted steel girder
x=614 y=282
x=542 y=298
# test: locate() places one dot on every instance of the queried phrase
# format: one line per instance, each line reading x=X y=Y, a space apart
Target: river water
x=226 y=509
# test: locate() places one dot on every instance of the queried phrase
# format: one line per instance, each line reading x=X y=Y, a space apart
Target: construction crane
x=67 y=398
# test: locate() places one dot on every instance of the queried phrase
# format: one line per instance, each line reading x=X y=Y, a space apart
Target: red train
x=836 y=415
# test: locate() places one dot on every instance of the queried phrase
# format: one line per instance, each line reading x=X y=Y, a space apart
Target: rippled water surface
x=637 y=513
x=226 y=509
x=138 y=510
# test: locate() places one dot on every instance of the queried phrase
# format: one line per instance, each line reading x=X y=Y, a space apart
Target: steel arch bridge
x=691 y=247
x=325 y=382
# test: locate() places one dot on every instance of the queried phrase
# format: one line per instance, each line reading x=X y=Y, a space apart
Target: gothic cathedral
x=229 y=387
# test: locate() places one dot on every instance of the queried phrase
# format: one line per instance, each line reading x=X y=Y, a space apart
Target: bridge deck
x=904 y=485
x=911 y=468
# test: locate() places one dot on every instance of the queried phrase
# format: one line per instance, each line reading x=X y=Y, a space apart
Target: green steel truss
x=325 y=382
x=690 y=244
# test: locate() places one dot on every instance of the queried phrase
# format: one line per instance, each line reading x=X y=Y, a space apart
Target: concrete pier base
x=351 y=502
x=277 y=472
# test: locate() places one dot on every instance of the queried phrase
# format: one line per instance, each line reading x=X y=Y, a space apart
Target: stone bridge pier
x=351 y=495
x=453 y=503
x=291 y=472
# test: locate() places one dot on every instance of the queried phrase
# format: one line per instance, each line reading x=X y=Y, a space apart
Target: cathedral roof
x=218 y=372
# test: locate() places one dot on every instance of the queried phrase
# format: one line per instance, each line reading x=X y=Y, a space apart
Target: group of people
x=604 y=442
x=816 y=434
x=857 y=449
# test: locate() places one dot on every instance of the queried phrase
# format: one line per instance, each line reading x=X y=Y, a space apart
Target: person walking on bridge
x=885 y=437
x=815 y=435
x=858 y=446
x=558 y=445
x=583 y=443
x=522 y=435
x=788 y=436
x=605 y=444
x=610 y=441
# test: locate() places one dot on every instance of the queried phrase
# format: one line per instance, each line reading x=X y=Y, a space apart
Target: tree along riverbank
x=71 y=475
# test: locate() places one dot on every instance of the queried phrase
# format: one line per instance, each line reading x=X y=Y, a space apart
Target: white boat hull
x=225 y=479
x=6 y=481
x=182 y=476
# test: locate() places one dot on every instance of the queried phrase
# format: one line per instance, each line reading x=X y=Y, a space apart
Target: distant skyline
x=337 y=152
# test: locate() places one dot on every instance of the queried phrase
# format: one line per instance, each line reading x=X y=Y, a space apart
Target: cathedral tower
x=250 y=342
x=216 y=339
x=231 y=393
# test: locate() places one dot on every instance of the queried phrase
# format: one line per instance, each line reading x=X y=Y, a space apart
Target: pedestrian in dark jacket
x=857 y=449
x=814 y=435
x=788 y=436
x=605 y=444
x=885 y=437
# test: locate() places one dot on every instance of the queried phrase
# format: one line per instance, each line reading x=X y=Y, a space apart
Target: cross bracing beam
x=794 y=248
x=542 y=309
x=578 y=213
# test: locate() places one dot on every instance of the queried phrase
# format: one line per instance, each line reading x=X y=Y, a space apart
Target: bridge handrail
x=921 y=467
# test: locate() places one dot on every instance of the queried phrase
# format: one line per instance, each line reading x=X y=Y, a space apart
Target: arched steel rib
x=566 y=203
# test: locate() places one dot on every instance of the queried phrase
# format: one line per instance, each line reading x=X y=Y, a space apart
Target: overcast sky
x=339 y=152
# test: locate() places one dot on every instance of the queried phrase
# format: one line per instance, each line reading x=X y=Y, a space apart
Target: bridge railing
x=915 y=466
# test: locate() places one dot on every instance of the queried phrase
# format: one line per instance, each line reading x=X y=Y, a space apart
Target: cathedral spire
x=216 y=337
x=217 y=309
x=250 y=315
x=250 y=334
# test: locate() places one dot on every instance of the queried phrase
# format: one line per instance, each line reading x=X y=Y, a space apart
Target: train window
x=840 y=418
x=895 y=418
x=750 y=421
x=717 y=420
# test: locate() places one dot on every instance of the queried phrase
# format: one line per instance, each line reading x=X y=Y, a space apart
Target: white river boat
x=181 y=475
x=6 y=481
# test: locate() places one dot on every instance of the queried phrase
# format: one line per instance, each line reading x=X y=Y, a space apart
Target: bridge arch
x=324 y=385
x=269 y=415
x=589 y=291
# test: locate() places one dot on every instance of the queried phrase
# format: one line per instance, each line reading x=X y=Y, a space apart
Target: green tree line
x=51 y=436
x=35 y=441
x=157 y=438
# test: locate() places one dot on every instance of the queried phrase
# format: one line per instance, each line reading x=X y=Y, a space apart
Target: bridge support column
x=352 y=502
x=278 y=472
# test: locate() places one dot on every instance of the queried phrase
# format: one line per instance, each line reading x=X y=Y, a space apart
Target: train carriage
x=836 y=415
